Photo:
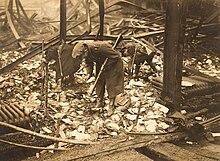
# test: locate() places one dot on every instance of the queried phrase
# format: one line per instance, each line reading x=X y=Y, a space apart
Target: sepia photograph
x=110 y=80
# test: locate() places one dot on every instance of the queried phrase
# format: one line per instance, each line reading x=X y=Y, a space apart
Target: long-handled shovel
x=119 y=38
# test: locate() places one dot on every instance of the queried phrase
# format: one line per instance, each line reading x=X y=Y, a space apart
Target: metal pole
x=101 y=16
x=63 y=21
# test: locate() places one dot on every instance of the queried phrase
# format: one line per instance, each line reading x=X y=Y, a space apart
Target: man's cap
x=78 y=49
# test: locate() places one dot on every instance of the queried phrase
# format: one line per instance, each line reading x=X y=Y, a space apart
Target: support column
x=101 y=16
x=63 y=21
x=173 y=52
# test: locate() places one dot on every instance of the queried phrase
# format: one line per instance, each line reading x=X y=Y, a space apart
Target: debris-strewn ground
x=136 y=110
x=71 y=113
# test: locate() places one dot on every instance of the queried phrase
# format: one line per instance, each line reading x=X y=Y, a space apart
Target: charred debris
x=153 y=109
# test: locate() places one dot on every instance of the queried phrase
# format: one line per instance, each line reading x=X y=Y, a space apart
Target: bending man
x=112 y=77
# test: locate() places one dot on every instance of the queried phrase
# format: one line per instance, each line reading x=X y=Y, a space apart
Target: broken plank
x=14 y=31
x=207 y=150
x=128 y=155
x=170 y=151
x=148 y=34
x=55 y=39
x=191 y=70
x=212 y=16
x=31 y=54
x=114 y=145
x=21 y=138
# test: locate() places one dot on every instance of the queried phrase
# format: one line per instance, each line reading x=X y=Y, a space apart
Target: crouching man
x=64 y=66
x=111 y=78
x=139 y=55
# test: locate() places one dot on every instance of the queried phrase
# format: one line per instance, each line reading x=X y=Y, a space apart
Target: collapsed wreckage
x=171 y=87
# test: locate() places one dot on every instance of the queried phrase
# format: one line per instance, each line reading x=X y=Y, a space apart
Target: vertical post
x=58 y=132
x=63 y=21
x=101 y=16
x=46 y=88
x=43 y=71
x=173 y=52
x=18 y=10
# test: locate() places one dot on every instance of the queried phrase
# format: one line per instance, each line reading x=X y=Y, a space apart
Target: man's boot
x=111 y=106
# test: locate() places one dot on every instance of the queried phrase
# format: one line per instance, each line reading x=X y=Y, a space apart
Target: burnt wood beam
x=101 y=16
x=63 y=21
x=173 y=52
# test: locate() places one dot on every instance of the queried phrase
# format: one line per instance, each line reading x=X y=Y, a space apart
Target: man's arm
x=89 y=67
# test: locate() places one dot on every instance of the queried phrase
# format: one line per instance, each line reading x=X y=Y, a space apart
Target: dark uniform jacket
x=112 y=76
x=142 y=55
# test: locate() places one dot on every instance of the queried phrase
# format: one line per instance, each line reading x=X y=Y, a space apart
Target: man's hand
x=88 y=76
x=90 y=79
